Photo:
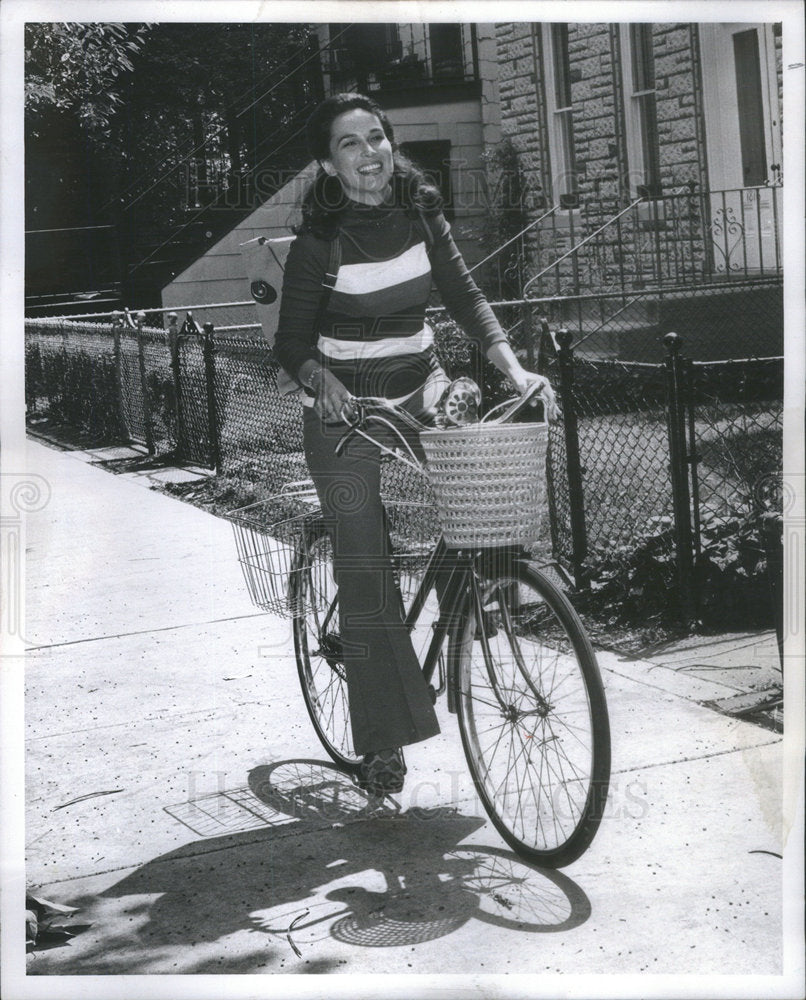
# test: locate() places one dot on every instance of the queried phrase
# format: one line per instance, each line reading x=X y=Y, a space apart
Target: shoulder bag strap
x=329 y=280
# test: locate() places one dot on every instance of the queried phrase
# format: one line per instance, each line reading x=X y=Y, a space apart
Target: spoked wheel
x=318 y=647
x=533 y=715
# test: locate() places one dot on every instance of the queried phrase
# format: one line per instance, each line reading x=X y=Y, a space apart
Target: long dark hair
x=324 y=201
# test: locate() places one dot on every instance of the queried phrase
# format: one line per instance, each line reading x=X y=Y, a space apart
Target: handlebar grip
x=504 y=412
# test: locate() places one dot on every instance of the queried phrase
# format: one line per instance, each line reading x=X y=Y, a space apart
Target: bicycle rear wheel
x=317 y=645
x=532 y=715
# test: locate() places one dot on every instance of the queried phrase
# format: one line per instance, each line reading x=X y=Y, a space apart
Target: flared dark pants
x=390 y=705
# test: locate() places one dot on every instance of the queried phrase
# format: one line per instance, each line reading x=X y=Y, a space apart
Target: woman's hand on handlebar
x=524 y=380
x=505 y=360
x=333 y=401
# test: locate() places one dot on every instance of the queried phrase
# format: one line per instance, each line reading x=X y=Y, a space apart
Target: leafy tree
x=213 y=93
x=209 y=106
x=77 y=69
x=120 y=119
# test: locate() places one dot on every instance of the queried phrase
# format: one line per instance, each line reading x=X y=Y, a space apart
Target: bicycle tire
x=317 y=645
x=535 y=733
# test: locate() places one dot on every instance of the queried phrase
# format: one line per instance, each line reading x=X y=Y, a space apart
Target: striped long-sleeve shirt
x=373 y=334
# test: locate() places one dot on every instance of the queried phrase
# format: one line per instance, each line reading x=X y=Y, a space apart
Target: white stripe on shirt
x=374 y=276
x=388 y=347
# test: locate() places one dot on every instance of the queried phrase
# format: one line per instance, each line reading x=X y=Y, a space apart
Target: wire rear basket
x=268 y=535
x=268 y=539
x=489 y=481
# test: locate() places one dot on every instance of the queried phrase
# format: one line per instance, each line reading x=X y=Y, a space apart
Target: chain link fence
x=663 y=480
x=260 y=432
x=617 y=415
x=737 y=410
x=192 y=407
x=210 y=398
x=740 y=318
x=736 y=440
x=70 y=376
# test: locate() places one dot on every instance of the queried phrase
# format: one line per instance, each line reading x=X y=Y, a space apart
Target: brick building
x=685 y=117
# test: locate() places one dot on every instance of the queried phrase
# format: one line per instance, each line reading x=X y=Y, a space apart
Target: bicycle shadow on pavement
x=321 y=867
x=431 y=883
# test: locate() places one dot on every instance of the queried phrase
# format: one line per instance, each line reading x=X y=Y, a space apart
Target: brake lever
x=352 y=413
x=510 y=407
x=341 y=444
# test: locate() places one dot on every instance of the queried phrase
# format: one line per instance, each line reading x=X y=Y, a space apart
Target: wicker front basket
x=489 y=481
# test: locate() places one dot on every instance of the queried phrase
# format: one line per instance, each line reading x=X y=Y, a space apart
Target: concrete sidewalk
x=159 y=702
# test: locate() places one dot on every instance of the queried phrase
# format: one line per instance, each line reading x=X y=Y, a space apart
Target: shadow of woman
x=327 y=865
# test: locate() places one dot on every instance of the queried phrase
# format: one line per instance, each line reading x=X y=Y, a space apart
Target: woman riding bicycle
x=360 y=331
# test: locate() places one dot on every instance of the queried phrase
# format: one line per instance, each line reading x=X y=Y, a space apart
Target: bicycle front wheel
x=318 y=647
x=532 y=715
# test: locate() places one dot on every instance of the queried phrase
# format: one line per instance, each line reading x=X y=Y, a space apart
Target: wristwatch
x=314 y=379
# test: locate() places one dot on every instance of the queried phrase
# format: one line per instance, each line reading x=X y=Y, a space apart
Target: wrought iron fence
x=679 y=240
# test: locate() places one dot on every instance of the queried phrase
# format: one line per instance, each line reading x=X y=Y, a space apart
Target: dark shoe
x=382 y=772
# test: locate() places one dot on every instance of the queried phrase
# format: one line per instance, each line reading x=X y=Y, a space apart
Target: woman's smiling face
x=360 y=156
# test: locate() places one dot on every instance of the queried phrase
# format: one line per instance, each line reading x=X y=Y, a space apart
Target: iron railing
x=683 y=239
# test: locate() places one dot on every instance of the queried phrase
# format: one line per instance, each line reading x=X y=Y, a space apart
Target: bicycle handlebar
x=363 y=409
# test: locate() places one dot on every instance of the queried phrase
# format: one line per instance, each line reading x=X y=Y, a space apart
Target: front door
x=743 y=144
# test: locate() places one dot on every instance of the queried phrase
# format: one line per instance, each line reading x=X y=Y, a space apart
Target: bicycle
x=520 y=672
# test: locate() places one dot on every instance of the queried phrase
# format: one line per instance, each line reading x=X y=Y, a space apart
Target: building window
x=643 y=153
x=560 y=114
x=447 y=51
x=361 y=52
x=751 y=108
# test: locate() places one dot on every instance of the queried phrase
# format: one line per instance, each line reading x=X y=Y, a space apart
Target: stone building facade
x=685 y=116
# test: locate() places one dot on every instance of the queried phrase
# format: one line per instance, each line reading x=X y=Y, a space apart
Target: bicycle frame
x=519 y=672
x=450 y=573
x=453 y=574
x=460 y=591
